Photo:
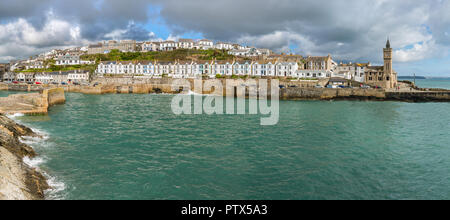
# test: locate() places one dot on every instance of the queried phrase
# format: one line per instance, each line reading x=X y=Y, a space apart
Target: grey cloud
x=349 y=29
x=96 y=17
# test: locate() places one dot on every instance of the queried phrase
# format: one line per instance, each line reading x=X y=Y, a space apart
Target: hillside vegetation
x=163 y=56
x=54 y=68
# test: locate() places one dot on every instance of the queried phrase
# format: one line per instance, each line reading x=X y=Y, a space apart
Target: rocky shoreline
x=18 y=181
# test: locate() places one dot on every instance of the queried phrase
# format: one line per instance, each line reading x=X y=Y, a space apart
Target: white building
x=186 y=44
x=35 y=65
x=223 y=68
x=151 y=46
x=168 y=46
x=113 y=67
x=25 y=77
x=286 y=69
x=224 y=46
x=205 y=44
x=250 y=52
x=312 y=74
x=242 y=68
x=351 y=71
x=78 y=76
x=145 y=68
x=9 y=76
x=44 y=77
x=69 y=59
x=164 y=68
x=264 y=68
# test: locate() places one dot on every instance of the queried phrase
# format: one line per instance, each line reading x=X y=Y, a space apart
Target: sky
x=349 y=30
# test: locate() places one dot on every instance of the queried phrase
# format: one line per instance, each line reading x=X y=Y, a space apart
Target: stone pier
x=32 y=103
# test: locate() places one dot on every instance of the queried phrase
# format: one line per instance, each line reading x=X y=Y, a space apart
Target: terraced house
x=243 y=68
x=71 y=59
x=145 y=68
x=316 y=67
x=223 y=68
x=279 y=67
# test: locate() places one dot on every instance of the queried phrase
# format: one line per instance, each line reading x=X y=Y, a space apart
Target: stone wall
x=54 y=96
x=294 y=90
x=438 y=96
x=32 y=103
x=329 y=94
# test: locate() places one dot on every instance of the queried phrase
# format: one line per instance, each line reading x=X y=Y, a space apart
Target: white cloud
x=20 y=39
x=418 y=51
x=280 y=41
x=132 y=31
x=116 y=34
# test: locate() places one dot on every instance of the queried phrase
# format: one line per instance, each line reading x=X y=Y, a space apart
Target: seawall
x=32 y=103
x=331 y=94
x=427 y=96
x=294 y=90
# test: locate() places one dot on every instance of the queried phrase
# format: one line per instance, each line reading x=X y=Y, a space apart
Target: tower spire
x=388 y=43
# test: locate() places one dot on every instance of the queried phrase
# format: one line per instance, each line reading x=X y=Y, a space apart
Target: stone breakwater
x=293 y=90
x=32 y=103
x=18 y=181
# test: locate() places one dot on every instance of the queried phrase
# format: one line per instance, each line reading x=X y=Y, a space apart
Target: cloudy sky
x=353 y=30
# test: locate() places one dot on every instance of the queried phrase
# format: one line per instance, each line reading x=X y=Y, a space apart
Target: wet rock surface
x=18 y=181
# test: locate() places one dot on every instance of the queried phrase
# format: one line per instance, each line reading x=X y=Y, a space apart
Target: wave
x=34 y=162
x=56 y=186
x=14 y=116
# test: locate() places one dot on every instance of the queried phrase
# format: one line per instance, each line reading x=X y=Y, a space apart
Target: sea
x=130 y=146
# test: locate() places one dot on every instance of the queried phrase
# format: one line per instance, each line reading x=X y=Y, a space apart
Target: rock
x=18 y=181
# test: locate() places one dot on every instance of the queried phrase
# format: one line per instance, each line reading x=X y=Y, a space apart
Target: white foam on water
x=44 y=134
x=33 y=163
x=56 y=188
x=16 y=115
x=33 y=140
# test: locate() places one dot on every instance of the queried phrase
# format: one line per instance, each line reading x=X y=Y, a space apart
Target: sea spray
x=41 y=141
x=14 y=116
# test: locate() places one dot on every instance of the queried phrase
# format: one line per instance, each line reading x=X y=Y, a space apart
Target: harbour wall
x=32 y=103
x=293 y=90
x=427 y=96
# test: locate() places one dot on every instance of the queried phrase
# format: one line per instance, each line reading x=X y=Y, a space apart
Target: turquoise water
x=133 y=147
x=441 y=83
x=7 y=93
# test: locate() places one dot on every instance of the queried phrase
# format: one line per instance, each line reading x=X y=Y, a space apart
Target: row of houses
x=106 y=47
x=187 y=44
x=193 y=69
x=169 y=45
x=250 y=52
x=76 y=76
x=69 y=59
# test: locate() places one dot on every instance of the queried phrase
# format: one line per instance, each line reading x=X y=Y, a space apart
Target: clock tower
x=388 y=71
